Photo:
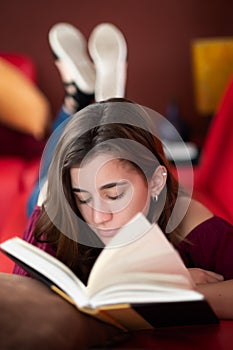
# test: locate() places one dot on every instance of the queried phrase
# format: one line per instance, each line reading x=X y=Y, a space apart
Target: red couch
x=214 y=173
x=19 y=164
x=215 y=337
x=20 y=156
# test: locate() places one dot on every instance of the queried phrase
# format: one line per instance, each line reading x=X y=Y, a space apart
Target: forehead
x=101 y=169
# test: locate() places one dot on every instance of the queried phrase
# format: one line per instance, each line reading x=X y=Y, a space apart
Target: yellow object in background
x=212 y=67
x=23 y=106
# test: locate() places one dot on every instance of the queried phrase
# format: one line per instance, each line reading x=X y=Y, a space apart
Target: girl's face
x=108 y=193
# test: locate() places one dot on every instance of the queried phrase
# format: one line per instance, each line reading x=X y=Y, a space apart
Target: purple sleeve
x=28 y=236
x=209 y=246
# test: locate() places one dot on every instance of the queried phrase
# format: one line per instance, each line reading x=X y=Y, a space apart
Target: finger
x=214 y=275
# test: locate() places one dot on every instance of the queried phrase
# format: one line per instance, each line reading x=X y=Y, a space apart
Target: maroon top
x=29 y=237
x=208 y=246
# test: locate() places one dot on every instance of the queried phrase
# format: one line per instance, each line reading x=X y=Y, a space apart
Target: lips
x=106 y=233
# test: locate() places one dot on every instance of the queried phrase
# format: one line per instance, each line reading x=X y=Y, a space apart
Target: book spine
x=62 y=294
x=125 y=316
x=105 y=316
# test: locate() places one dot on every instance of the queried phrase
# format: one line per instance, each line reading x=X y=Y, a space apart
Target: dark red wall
x=159 y=35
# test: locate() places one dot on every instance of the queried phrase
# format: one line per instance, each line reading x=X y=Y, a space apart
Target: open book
x=138 y=281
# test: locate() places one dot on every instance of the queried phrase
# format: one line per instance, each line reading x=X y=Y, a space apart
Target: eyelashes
x=118 y=196
x=107 y=197
x=83 y=201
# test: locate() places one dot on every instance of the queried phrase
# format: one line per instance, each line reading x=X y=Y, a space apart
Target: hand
x=201 y=276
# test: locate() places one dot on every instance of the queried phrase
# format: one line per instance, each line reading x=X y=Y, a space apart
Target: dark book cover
x=166 y=314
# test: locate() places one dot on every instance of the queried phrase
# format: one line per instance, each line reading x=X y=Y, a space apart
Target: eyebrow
x=104 y=187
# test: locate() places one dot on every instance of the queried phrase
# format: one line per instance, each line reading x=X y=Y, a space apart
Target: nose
x=101 y=215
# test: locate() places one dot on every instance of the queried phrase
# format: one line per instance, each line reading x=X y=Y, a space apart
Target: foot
x=108 y=50
x=74 y=99
x=76 y=69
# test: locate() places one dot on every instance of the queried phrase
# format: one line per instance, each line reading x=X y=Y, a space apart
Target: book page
x=140 y=288
x=53 y=269
x=138 y=247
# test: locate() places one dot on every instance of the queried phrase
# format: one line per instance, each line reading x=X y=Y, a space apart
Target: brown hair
x=121 y=128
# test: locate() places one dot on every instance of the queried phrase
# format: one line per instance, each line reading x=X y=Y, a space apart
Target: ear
x=158 y=181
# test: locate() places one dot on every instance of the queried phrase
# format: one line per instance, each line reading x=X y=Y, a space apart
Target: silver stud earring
x=155 y=198
x=164 y=173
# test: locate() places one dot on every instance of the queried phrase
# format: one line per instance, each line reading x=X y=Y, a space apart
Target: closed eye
x=82 y=197
x=83 y=201
x=118 y=196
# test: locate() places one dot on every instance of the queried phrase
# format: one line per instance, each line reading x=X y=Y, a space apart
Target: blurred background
x=180 y=59
x=159 y=35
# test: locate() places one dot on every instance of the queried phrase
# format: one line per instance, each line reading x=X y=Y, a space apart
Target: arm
x=36 y=318
x=217 y=291
x=220 y=297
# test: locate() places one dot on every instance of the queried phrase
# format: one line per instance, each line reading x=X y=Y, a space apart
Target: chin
x=105 y=240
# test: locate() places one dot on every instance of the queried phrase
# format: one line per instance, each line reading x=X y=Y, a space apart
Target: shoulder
x=195 y=215
x=209 y=246
x=28 y=233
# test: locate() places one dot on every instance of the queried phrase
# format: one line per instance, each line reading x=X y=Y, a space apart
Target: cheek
x=145 y=209
x=85 y=211
x=143 y=202
x=140 y=200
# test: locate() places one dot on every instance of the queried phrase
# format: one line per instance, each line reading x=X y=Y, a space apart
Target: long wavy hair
x=117 y=127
